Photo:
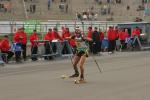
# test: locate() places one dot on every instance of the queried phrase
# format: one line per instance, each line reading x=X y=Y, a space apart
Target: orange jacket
x=4 y=45
x=33 y=37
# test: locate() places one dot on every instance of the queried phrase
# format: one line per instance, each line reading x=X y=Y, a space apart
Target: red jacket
x=66 y=34
x=123 y=35
x=101 y=36
x=56 y=36
x=72 y=42
x=136 y=32
x=48 y=36
x=33 y=37
x=89 y=35
x=20 y=37
x=111 y=34
x=24 y=40
x=4 y=45
x=17 y=38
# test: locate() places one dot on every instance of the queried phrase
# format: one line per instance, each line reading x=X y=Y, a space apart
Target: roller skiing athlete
x=80 y=55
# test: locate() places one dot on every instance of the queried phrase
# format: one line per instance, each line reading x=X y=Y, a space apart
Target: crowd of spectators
x=97 y=37
x=108 y=1
x=87 y=15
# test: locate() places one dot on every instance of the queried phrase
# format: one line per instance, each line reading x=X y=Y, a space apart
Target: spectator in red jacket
x=111 y=35
x=56 y=35
x=24 y=43
x=136 y=32
x=66 y=36
x=48 y=36
x=47 y=45
x=17 y=37
x=34 y=45
x=18 y=42
x=101 y=37
x=116 y=30
x=21 y=37
x=122 y=37
x=89 y=36
x=5 y=48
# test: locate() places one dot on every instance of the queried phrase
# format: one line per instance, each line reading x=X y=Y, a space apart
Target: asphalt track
x=126 y=76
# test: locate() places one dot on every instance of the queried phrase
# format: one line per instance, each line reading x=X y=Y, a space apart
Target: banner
x=31 y=25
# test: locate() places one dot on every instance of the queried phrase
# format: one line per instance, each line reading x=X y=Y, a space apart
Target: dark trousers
x=47 y=51
x=100 y=46
x=65 y=49
x=18 y=56
x=124 y=45
x=111 y=45
x=24 y=51
x=96 y=47
x=7 y=57
x=91 y=46
x=34 y=51
x=54 y=48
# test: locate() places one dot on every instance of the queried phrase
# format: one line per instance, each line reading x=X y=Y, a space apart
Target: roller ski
x=72 y=76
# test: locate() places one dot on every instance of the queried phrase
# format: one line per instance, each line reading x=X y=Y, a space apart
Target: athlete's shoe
x=74 y=75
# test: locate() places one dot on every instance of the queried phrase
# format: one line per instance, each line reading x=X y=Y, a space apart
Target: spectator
x=56 y=37
x=136 y=32
x=5 y=48
x=48 y=37
x=66 y=8
x=85 y=17
x=123 y=35
x=66 y=36
x=33 y=8
x=89 y=36
x=34 y=45
x=49 y=4
x=128 y=7
x=78 y=16
x=111 y=35
x=101 y=38
x=95 y=16
x=96 y=40
x=18 y=40
x=23 y=43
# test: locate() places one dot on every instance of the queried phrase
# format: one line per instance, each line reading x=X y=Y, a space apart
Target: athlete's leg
x=76 y=59
x=81 y=64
